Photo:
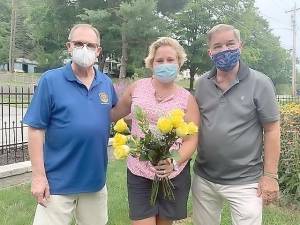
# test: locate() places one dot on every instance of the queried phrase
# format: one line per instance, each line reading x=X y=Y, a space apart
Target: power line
x=272 y=18
x=281 y=28
x=232 y=17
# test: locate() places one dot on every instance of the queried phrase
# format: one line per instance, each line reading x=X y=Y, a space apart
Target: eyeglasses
x=80 y=44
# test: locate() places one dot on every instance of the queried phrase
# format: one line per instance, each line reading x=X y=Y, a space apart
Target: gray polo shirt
x=231 y=134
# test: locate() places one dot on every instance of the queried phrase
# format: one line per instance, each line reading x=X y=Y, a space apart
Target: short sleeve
x=39 y=111
x=197 y=90
x=266 y=103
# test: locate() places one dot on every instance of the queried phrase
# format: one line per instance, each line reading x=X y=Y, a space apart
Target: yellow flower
x=177 y=112
x=177 y=120
x=164 y=124
x=291 y=108
x=121 y=152
x=120 y=126
x=119 y=139
x=192 y=128
x=183 y=130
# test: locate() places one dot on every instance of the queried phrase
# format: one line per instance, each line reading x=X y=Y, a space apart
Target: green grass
x=117 y=194
x=17 y=206
x=19 y=79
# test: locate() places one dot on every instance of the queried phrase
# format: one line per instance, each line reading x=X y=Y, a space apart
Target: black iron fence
x=13 y=136
x=282 y=99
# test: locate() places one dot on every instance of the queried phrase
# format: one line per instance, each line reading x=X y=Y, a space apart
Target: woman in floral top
x=158 y=95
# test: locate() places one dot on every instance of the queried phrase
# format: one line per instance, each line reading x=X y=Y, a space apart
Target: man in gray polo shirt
x=239 y=121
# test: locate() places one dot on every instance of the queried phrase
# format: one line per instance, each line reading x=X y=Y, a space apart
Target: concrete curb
x=15 y=169
x=15 y=174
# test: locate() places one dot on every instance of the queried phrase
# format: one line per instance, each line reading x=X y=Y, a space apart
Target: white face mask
x=83 y=57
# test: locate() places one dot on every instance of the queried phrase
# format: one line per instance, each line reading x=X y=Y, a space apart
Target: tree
x=4 y=30
x=24 y=42
x=261 y=51
x=190 y=27
x=49 y=22
x=141 y=25
x=127 y=30
x=167 y=7
x=129 y=26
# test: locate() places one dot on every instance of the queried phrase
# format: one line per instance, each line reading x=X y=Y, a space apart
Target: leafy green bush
x=289 y=165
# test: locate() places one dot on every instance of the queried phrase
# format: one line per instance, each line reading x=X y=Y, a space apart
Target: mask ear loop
x=68 y=45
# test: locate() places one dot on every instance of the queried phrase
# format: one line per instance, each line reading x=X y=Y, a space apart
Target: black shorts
x=139 y=191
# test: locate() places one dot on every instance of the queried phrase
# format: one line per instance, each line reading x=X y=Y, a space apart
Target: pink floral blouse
x=144 y=96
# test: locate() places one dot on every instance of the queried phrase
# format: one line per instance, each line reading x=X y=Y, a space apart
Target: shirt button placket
x=89 y=95
x=222 y=98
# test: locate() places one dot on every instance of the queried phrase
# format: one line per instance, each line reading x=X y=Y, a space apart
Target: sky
x=274 y=11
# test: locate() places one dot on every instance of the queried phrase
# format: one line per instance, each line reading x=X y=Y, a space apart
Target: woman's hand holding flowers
x=154 y=146
x=164 y=168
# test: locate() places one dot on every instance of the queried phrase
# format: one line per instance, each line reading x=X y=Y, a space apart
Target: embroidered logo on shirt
x=103 y=98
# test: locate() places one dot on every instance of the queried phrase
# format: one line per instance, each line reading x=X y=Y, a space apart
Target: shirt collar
x=243 y=72
x=70 y=76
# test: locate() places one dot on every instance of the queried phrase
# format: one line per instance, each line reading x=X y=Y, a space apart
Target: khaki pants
x=87 y=208
x=208 y=199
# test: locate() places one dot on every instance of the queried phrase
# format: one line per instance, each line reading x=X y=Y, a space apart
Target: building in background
x=21 y=65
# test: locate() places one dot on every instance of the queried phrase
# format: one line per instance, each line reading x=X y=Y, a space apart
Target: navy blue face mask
x=227 y=59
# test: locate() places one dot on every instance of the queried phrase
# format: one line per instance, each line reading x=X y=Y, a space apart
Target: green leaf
x=175 y=155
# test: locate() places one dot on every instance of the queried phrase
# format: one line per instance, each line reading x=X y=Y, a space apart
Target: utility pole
x=12 y=36
x=294 y=72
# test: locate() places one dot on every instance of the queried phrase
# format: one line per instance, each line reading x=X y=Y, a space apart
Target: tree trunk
x=101 y=61
x=12 y=37
x=192 y=78
x=124 y=57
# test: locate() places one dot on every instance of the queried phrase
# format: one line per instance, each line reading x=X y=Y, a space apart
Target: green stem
x=167 y=188
x=154 y=190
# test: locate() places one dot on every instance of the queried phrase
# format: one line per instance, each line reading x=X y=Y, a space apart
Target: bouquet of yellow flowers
x=155 y=143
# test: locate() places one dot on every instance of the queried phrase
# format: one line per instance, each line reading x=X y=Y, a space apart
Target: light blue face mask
x=165 y=73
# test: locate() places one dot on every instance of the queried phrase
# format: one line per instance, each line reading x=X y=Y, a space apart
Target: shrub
x=289 y=165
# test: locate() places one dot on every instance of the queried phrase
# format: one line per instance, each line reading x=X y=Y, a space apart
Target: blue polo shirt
x=77 y=124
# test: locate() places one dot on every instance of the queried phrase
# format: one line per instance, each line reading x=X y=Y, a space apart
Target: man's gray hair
x=223 y=27
x=75 y=27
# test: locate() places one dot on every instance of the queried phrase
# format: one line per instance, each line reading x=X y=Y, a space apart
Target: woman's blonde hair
x=165 y=41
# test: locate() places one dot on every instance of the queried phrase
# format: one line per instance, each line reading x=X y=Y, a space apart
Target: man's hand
x=40 y=189
x=268 y=189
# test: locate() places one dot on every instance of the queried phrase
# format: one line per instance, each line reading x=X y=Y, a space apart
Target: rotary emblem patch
x=103 y=98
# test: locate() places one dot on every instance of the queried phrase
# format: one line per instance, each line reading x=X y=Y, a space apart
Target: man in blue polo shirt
x=239 y=121
x=69 y=122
